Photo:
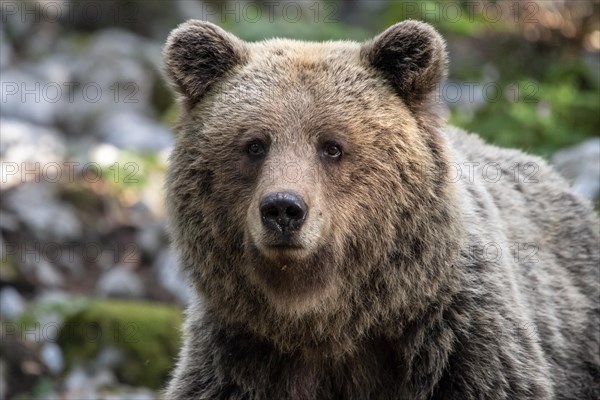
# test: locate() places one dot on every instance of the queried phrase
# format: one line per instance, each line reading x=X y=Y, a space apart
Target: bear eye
x=332 y=150
x=256 y=149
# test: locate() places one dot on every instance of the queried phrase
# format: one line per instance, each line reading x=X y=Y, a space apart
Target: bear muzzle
x=282 y=215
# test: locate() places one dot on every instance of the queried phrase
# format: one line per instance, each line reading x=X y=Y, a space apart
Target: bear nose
x=283 y=211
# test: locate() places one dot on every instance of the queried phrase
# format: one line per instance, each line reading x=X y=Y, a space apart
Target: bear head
x=307 y=189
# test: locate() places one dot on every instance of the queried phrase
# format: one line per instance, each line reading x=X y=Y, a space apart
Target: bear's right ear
x=411 y=55
x=197 y=54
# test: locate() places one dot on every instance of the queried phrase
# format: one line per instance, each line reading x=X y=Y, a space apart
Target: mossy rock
x=148 y=334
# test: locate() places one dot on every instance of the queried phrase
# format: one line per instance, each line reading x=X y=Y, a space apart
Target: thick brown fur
x=393 y=293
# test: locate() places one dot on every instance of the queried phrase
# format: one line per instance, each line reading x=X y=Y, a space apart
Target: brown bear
x=343 y=242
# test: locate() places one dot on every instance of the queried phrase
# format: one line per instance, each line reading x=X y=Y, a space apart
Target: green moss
x=148 y=334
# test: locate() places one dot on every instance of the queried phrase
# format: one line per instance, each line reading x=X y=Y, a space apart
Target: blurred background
x=91 y=298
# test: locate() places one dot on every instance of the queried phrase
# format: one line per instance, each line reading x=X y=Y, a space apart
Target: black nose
x=283 y=212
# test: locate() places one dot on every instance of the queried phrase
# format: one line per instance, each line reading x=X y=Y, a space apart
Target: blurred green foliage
x=558 y=115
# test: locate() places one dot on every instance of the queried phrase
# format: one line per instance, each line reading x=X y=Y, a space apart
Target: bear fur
x=430 y=265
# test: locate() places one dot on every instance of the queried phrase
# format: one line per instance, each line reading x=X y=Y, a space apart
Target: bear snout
x=283 y=212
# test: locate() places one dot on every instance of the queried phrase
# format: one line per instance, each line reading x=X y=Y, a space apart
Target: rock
x=56 y=297
x=116 y=55
x=46 y=328
x=51 y=355
x=38 y=41
x=138 y=394
x=115 y=71
x=47 y=275
x=13 y=23
x=70 y=261
x=125 y=44
x=13 y=304
x=109 y=357
x=23 y=89
x=37 y=206
x=140 y=16
x=76 y=380
x=32 y=33
x=49 y=310
x=104 y=154
x=54 y=71
x=81 y=384
x=29 y=152
x=120 y=281
x=33 y=264
x=151 y=237
x=22 y=141
x=8 y=222
x=580 y=164
x=171 y=277
x=140 y=213
x=134 y=131
x=103 y=378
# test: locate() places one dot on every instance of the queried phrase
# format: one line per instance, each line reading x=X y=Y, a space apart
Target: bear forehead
x=306 y=53
x=298 y=59
x=289 y=86
x=283 y=75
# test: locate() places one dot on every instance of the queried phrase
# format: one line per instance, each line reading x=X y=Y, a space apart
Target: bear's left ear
x=198 y=54
x=412 y=57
